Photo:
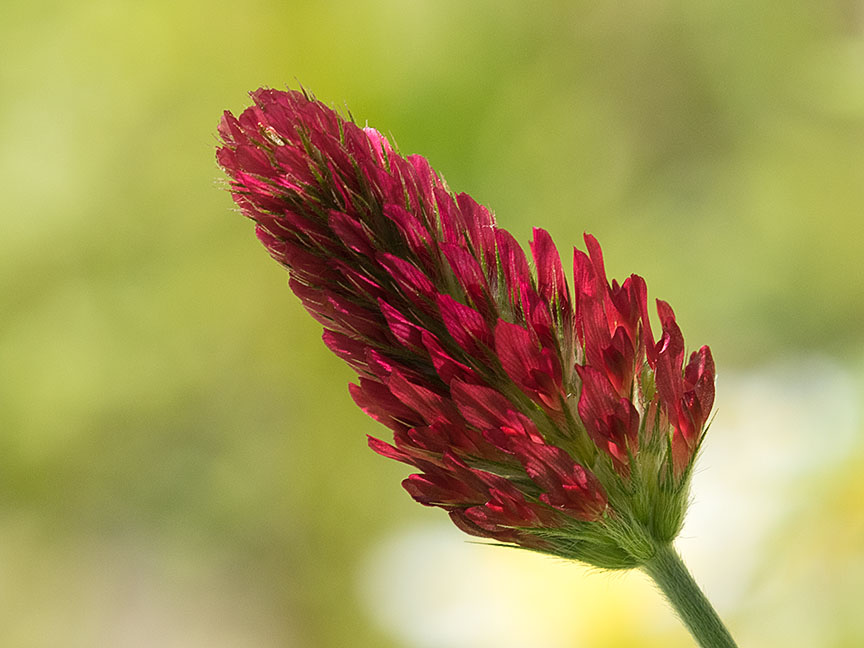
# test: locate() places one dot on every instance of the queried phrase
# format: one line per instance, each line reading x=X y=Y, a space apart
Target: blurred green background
x=180 y=462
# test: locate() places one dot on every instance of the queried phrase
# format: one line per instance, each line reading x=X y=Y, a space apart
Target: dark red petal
x=538 y=318
x=483 y=407
x=551 y=283
x=352 y=233
x=415 y=235
x=447 y=367
x=357 y=282
x=469 y=275
x=252 y=160
x=406 y=332
x=351 y=350
x=377 y=401
x=567 y=485
x=461 y=520
x=230 y=131
x=466 y=326
x=513 y=263
x=386 y=450
x=669 y=357
x=585 y=290
x=304 y=265
x=409 y=279
x=431 y=407
x=453 y=226
x=380 y=365
x=596 y=255
x=420 y=180
x=442 y=437
x=530 y=367
x=437 y=490
x=253 y=195
x=450 y=484
x=699 y=375
x=611 y=421
x=595 y=328
x=517 y=352
x=617 y=361
x=508 y=508
x=480 y=225
x=358 y=319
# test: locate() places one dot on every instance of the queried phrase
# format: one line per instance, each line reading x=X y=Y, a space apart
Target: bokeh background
x=180 y=462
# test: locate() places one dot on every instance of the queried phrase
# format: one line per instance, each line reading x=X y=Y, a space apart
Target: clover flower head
x=536 y=414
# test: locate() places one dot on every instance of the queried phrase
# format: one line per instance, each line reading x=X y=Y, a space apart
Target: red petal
x=386 y=450
x=466 y=326
x=431 y=407
x=351 y=232
x=611 y=421
x=469 y=275
x=420 y=181
x=481 y=231
x=349 y=349
x=252 y=160
x=379 y=143
x=481 y=406
x=413 y=232
x=357 y=282
x=230 y=131
x=408 y=278
x=377 y=401
x=551 y=283
x=669 y=357
x=596 y=254
x=530 y=367
x=409 y=334
x=567 y=486
x=513 y=263
x=357 y=319
x=447 y=367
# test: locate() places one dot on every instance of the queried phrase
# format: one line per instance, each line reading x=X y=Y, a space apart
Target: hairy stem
x=671 y=575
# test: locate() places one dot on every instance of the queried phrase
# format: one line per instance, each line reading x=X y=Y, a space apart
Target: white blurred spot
x=775 y=428
x=431 y=587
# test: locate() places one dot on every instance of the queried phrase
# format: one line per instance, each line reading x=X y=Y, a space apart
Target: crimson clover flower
x=535 y=415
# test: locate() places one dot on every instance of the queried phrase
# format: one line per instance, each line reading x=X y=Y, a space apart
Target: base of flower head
x=644 y=512
x=611 y=543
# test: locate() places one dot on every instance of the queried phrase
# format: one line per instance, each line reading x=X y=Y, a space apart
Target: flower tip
x=593 y=247
x=379 y=141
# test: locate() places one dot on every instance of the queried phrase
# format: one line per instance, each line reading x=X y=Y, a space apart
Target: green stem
x=671 y=575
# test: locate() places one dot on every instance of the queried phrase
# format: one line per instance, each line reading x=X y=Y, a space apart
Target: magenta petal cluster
x=535 y=415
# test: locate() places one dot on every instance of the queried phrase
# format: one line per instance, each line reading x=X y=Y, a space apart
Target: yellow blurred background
x=180 y=462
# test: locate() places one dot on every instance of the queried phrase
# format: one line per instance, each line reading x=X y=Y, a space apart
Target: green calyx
x=646 y=510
